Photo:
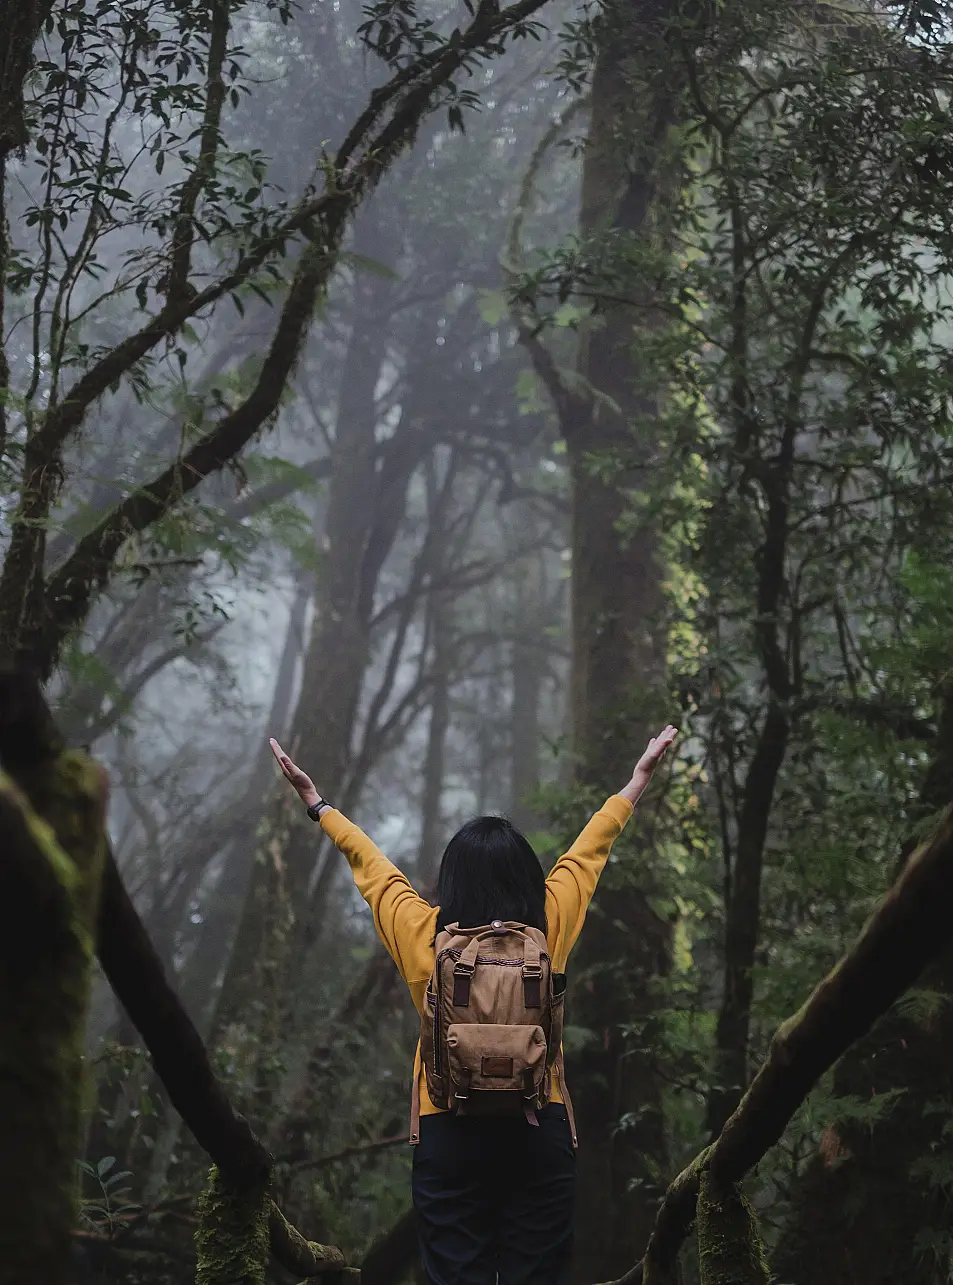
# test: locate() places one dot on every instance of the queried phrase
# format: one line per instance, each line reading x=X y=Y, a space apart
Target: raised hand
x=291 y=772
x=655 y=751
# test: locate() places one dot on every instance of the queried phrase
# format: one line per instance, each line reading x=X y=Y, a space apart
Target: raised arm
x=573 y=879
x=405 y=922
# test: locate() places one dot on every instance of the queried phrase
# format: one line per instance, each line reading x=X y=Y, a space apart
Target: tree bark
x=52 y=832
x=20 y=27
x=527 y=679
x=232 y=1238
x=618 y=658
x=432 y=838
x=730 y=1248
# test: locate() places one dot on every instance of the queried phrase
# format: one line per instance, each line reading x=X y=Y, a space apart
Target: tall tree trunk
x=618 y=657
x=869 y=1202
x=432 y=838
x=52 y=835
x=527 y=679
x=360 y=529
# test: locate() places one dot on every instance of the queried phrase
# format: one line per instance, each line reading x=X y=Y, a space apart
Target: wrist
x=310 y=797
x=635 y=788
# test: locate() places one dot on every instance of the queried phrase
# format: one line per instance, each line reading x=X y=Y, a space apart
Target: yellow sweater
x=406 y=924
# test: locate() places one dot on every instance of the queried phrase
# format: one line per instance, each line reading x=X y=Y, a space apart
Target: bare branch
x=183 y=234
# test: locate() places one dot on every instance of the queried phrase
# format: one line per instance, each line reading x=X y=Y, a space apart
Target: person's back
x=494 y=1145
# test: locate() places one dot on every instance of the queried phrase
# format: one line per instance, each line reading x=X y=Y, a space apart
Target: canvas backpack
x=492 y=1024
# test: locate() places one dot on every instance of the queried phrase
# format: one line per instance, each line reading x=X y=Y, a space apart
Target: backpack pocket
x=496 y=1069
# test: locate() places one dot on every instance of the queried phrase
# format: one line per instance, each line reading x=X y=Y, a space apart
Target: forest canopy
x=458 y=392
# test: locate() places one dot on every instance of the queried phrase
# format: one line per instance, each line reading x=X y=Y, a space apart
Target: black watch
x=314 y=812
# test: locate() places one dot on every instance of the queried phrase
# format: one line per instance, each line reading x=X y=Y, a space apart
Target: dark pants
x=494 y=1199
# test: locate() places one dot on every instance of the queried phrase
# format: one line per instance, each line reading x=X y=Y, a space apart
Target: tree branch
x=183 y=236
x=322 y=220
x=71 y=587
x=20 y=26
x=359 y=1149
x=301 y=1256
x=138 y=978
x=910 y=926
x=29 y=742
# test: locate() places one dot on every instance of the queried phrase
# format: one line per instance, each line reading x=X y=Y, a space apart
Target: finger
x=284 y=762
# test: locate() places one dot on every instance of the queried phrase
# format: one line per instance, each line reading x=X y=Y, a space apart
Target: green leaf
x=493 y=306
x=366 y=264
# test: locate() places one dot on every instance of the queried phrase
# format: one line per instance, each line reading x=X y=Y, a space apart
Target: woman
x=494 y=1197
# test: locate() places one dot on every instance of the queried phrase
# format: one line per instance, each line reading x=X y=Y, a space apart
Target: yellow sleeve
x=572 y=880
x=405 y=922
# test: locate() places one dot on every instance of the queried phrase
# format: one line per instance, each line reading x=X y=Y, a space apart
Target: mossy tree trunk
x=53 y=848
x=730 y=1248
x=61 y=900
x=618 y=655
x=232 y=1240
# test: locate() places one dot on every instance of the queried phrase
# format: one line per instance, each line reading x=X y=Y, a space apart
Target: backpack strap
x=567 y=1100
x=529 y=1098
x=460 y=1099
x=415 y=1110
x=463 y=971
x=532 y=974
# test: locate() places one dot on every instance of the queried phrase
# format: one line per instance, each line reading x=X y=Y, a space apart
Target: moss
x=730 y=1249
x=49 y=891
x=298 y=1254
x=232 y=1240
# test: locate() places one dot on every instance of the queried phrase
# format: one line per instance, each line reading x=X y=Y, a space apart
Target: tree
x=607 y=409
x=204 y=228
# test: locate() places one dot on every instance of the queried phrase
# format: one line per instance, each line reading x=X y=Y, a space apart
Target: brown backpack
x=492 y=1024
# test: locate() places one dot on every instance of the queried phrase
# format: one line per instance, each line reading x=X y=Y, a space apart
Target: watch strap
x=314 y=812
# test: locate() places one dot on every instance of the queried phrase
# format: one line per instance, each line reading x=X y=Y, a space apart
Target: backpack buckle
x=532 y=986
x=462 y=976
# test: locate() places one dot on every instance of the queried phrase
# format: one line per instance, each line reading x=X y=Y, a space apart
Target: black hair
x=490 y=871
